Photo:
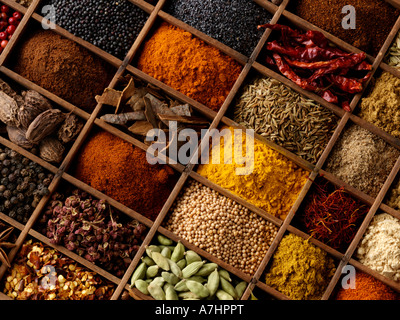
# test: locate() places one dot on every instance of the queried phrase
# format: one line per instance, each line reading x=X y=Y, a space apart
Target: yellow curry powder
x=273 y=183
x=299 y=269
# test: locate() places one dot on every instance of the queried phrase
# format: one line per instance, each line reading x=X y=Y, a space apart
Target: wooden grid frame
x=187 y=172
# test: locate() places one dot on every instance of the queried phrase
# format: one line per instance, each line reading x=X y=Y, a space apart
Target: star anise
x=3 y=244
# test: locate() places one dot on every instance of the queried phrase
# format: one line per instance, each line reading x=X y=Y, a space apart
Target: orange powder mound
x=367 y=288
x=121 y=171
x=189 y=65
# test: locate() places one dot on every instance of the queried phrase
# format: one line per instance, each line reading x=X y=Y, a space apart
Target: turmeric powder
x=299 y=269
x=273 y=184
x=189 y=65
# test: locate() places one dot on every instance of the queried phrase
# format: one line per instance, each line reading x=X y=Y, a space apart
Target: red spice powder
x=121 y=171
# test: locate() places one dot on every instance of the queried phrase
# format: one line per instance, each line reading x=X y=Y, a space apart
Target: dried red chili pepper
x=341 y=62
x=290 y=74
x=307 y=54
x=346 y=84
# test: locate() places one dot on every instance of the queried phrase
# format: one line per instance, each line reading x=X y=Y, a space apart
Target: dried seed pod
x=70 y=128
x=51 y=150
x=34 y=104
x=17 y=136
x=44 y=124
x=8 y=110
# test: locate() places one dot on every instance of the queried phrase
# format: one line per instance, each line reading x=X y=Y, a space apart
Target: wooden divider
x=250 y=64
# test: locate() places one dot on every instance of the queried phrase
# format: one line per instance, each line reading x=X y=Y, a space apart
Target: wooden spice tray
x=156 y=14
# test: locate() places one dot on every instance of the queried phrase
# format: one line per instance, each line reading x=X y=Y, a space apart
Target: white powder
x=380 y=247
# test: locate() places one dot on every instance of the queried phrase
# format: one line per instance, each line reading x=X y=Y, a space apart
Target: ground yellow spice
x=381 y=107
x=299 y=269
x=272 y=183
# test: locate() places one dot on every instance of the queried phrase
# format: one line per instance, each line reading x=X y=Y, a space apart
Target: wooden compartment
x=187 y=172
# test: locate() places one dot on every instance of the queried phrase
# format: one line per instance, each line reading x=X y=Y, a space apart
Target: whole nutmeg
x=8 y=110
x=44 y=125
x=34 y=104
x=51 y=150
x=18 y=136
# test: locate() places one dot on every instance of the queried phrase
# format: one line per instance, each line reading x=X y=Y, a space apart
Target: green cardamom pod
x=152 y=248
x=170 y=293
x=228 y=288
x=181 y=263
x=240 y=288
x=142 y=285
x=225 y=274
x=213 y=282
x=156 y=291
x=181 y=286
x=149 y=261
x=160 y=260
x=139 y=273
x=199 y=279
x=188 y=295
x=170 y=277
x=166 y=252
x=191 y=257
x=152 y=271
x=191 y=269
x=175 y=268
x=198 y=289
x=164 y=240
x=158 y=281
x=206 y=269
x=222 y=295
x=178 y=252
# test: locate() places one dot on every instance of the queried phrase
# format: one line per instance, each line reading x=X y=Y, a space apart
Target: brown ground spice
x=374 y=20
x=62 y=67
x=381 y=107
x=362 y=159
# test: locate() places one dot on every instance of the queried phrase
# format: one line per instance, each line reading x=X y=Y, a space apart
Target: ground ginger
x=273 y=183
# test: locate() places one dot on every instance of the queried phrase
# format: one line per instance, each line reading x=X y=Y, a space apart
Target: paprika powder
x=121 y=171
x=189 y=65
x=367 y=288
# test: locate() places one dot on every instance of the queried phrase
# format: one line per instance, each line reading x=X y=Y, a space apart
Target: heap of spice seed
x=40 y=272
x=23 y=183
x=332 y=216
x=122 y=172
x=379 y=248
x=381 y=106
x=221 y=227
x=266 y=179
x=393 y=56
x=111 y=25
x=189 y=65
x=374 y=20
x=299 y=269
x=367 y=288
x=285 y=117
x=362 y=159
x=233 y=22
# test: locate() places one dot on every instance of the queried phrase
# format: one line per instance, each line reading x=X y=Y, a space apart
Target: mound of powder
x=62 y=67
x=380 y=247
x=362 y=159
x=121 y=171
